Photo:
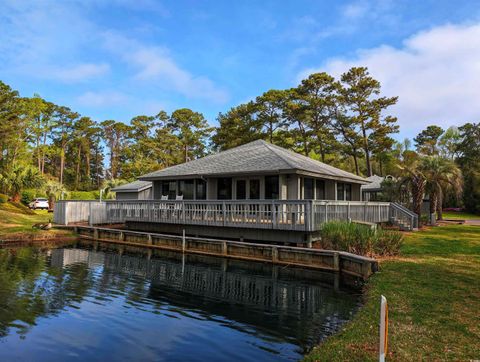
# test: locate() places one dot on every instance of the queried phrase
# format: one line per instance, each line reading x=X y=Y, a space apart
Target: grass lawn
x=433 y=290
x=16 y=220
x=460 y=216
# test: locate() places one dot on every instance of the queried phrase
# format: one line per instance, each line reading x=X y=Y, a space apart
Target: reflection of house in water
x=63 y=257
x=302 y=304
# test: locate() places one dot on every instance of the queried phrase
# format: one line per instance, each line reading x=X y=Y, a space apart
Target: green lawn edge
x=433 y=290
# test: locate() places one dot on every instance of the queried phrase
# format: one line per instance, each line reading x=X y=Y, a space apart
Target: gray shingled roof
x=135 y=186
x=375 y=183
x=257 y=157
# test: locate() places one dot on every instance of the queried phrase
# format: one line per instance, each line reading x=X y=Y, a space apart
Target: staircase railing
x=403 y=217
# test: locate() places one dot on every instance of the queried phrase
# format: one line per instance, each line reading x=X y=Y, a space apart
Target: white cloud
x=79 y=72
x=154 y=64
x=436 y=74
x=102 y=99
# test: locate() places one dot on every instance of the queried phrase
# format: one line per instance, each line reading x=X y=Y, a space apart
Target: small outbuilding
x=137 y=190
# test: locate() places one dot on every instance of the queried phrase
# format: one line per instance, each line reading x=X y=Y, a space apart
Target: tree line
x=344 y=122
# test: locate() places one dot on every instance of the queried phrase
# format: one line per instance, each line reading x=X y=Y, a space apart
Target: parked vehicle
x=39 y=203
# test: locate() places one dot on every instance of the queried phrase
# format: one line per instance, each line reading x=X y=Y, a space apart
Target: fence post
x=326 y=212
x=349 y=218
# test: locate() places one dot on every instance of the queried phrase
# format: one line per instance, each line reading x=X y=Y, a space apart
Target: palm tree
x=109 y=185
x=415 y=179
x=20 y=177
x=440 y=173
x=54 y=190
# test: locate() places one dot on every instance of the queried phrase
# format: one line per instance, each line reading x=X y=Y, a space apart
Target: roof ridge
x=275 y=148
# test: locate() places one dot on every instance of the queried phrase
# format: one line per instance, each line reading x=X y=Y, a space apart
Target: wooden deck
x=292 y=215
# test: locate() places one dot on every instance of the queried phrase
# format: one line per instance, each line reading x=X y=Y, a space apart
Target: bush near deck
x=360 y=239
x=434 y=298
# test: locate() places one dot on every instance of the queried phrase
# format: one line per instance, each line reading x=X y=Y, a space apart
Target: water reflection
x=88 y=300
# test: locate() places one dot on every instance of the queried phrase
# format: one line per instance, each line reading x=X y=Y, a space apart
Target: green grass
x=18 y=220
x=433 y=290
x=460 y=215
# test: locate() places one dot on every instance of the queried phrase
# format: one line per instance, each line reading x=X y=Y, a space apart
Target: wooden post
x=224 y=248
x=149 y=242
x=336 y=261
x=383 y=328
x=121 y=237
x=183 y=241
x=274 y=254
x=95 y=234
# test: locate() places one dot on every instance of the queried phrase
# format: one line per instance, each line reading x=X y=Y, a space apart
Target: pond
x=94 y=301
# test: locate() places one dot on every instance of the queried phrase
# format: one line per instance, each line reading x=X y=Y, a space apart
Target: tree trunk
x=62 y=164
x=357 y=169
x=440 y=205
x=77 y=176
x=433 y=205
x=418 y=189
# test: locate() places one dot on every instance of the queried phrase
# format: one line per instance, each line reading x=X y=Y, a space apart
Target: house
x=255 y=171
x=372 y=191
x=137 y=190
x=256 y=192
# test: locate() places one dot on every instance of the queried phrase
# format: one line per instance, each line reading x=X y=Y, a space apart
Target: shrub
x=82 y=195
x=360 y=239
x=3 y=198
x=387 y=242
x=28 y=195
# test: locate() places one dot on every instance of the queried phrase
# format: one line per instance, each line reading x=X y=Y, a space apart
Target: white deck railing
x=296 y=215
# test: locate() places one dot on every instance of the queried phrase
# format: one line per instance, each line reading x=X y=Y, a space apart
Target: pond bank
x=434 y=298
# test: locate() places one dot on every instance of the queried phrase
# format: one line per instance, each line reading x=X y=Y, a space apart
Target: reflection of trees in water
x=268 y=301
x=30 y=289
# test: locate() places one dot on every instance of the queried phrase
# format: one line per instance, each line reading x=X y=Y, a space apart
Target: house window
x=320 y=189
x=241 y=190
x=224 y=188
x=348 y=192
x=344 y=192
x=308 y=188
x=340 y=191
x=254 y=189
x=169 y=188
x=271 y=187
x=186 y=189
x=201 y=189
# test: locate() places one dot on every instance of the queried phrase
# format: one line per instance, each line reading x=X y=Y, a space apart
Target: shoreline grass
x=457 y=215
x=16 y=222
x=433 y=289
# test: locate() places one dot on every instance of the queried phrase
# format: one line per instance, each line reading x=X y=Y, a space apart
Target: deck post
x=336 y=261
x=224 y=248
x=349 y=217
x=95 y=234
x=149 y=242
x=183 y=240
x=274 y=254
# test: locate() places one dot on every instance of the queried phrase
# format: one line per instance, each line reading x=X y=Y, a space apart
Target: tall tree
x=192 y=130
x=65 y=119
x=426 y=141
x=237 y=126
x=116 y=138
x=318 y=95
x=359 y=93
x=270 y=111
x=469 y=161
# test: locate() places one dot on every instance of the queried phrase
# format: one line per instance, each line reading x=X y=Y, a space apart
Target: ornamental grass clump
x=360 y=239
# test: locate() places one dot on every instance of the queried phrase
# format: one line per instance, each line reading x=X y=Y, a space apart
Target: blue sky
x=117 y=59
